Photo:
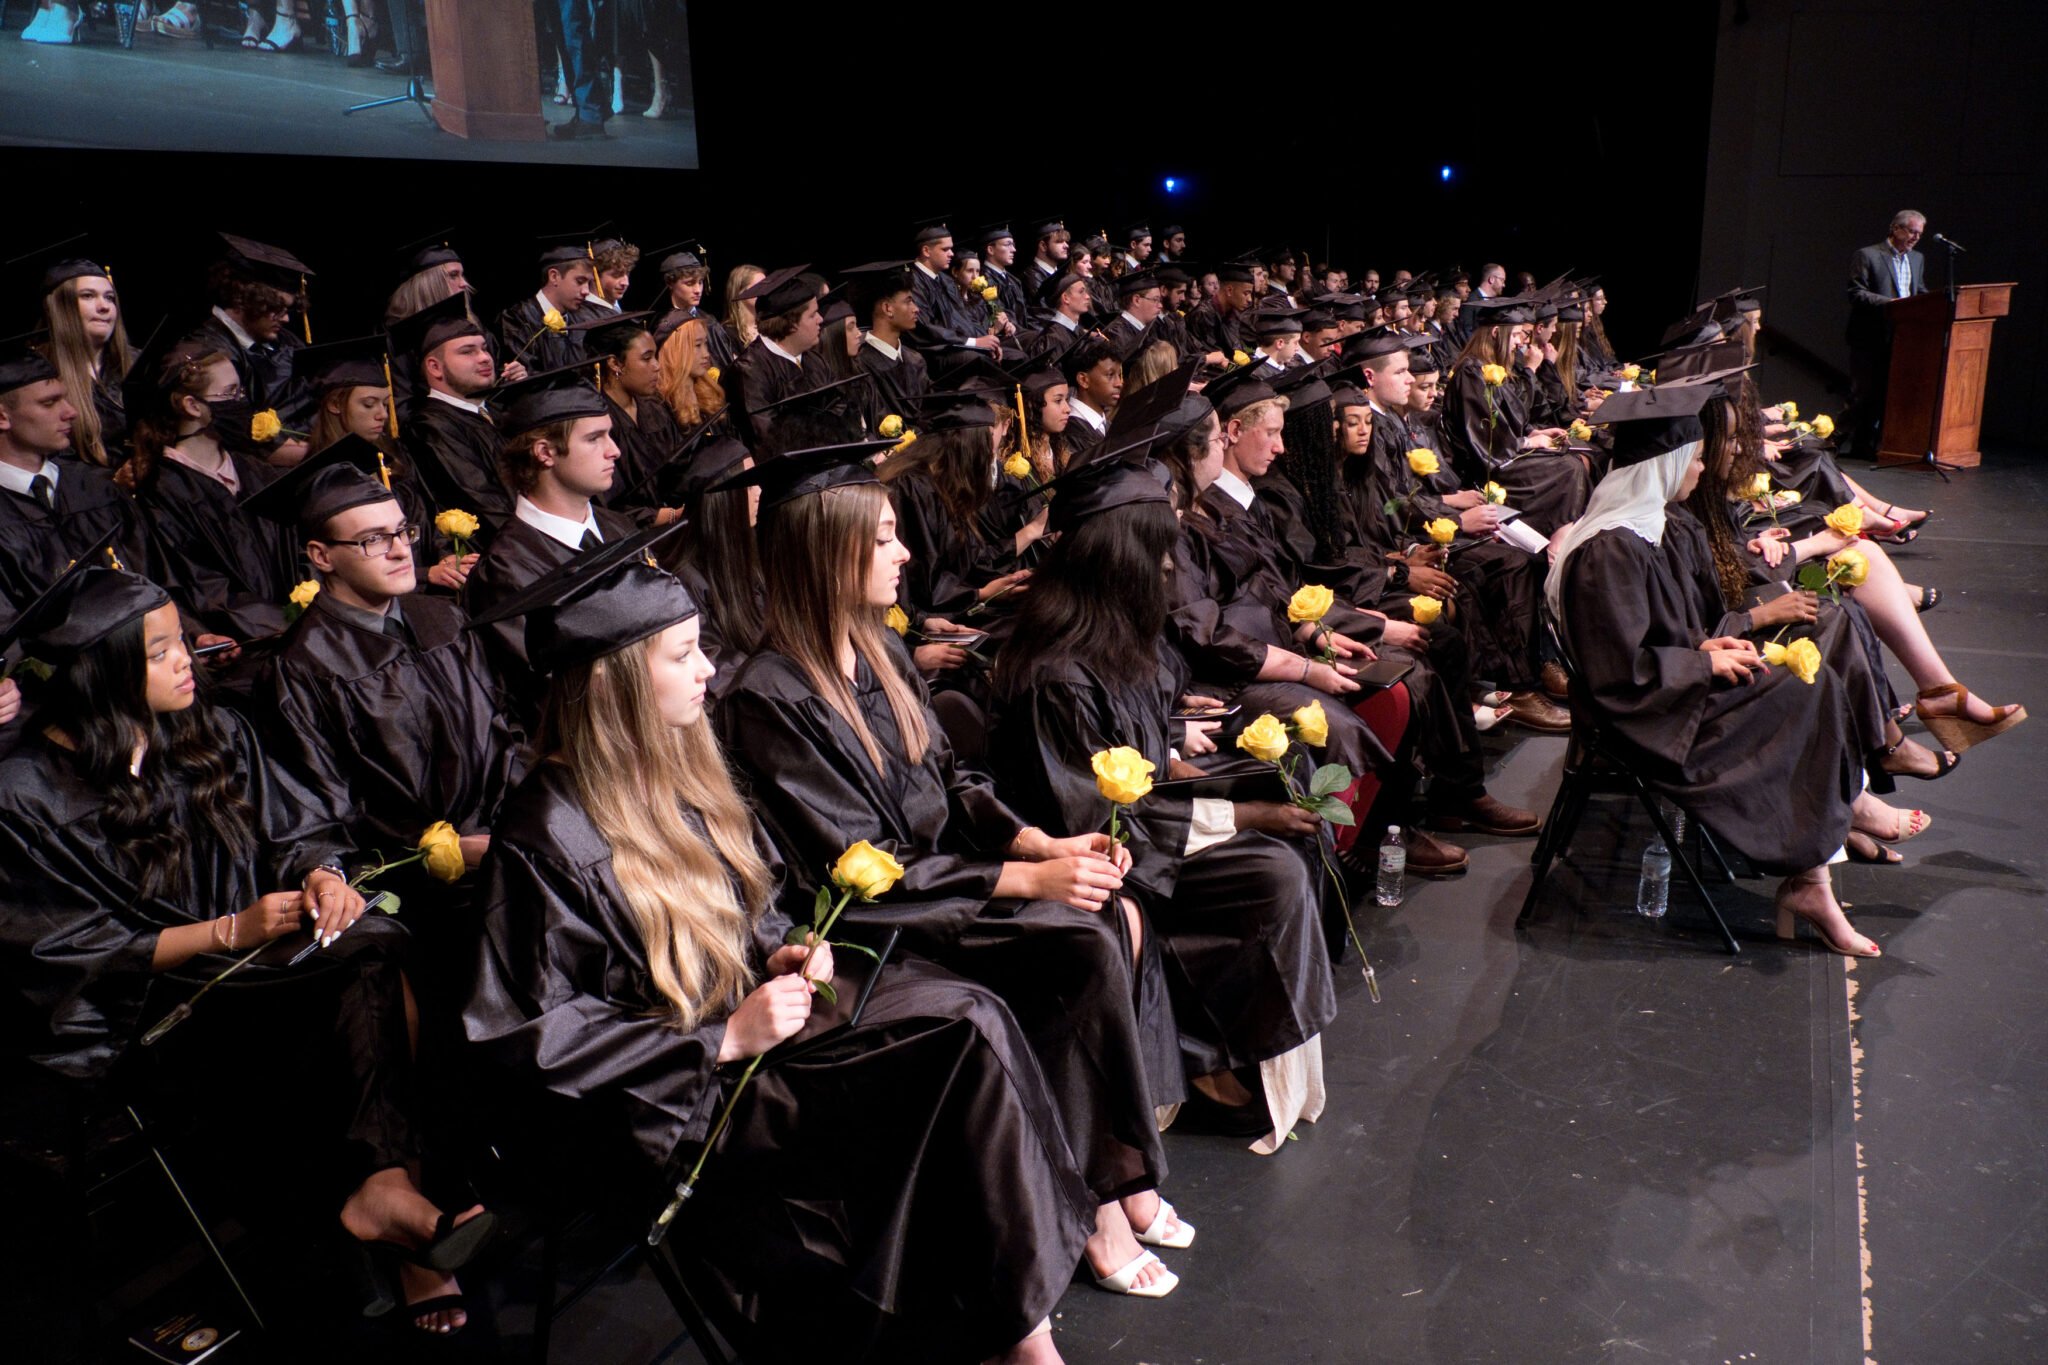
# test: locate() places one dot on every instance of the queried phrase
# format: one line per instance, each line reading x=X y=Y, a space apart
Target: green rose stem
x=686 y=1188
x=183 y=1011
x=1329 y=779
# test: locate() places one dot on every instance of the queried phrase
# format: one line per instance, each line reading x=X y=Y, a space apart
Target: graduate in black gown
x=535 y=331
x=451 y=438
x=644 y=429
x=902 y=1190
x=943 y=487
x=883 y=301
x=559 y=460
x=720 y=560
x=1231 y=888
x=1767 y=762
x=831 y=728
x=777 y=364
x=145 y=842
x=1492 y=433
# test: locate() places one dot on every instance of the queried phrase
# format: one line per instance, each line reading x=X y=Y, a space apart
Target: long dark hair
x=98 y=701
x=957 y=463
x=722 y=548
x=1310 y=464
x=1068 y=616
x=1713 y=498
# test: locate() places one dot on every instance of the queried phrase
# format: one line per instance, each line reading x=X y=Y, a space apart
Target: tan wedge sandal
x=1957 y=731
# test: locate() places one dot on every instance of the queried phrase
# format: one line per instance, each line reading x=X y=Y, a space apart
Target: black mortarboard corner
x=345 y=475
x=1650 y=422
x=558 y=249
x=100 y=552
x=927 y=230
x=961 y=410
x=595 y=603
x=1237 y=390
x=598 y=331
x=1231 y=272
x=782 y=291
x=1277 y=320
x=992 y=232
x=420 y=334
x=1170 y=230
x=553 y=396
x=1045 y=226
x=1422 y=360
x=1137 y=232
x=1747 y=299
x=1688 y=329
x=833 y=399
x=21 y=366
x=1302 y=386
x=424 y=253
x=1689 y=362
x=688 y=254
x=1500 y=312
x=711 y=465
x=870 y=283
x=356 y=362
x=1116 y=473
x=801 y=473
x=1042 y=371
x=1380 y=341
x=83 y=606
x=1136 y=282
x=271 y=263
x=61 y=261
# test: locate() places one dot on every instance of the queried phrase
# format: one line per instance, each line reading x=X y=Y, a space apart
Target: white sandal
x=1484 y=718
x=1125 y=1281
x=1155 y=1235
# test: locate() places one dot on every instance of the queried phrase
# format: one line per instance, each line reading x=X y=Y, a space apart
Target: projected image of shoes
x=574 y=129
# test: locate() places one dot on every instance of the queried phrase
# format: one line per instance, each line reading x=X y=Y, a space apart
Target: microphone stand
x=1928 y=459
x=415 y=89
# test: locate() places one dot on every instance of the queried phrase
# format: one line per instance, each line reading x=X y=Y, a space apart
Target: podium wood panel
x=1918 y=382
x=486 y=69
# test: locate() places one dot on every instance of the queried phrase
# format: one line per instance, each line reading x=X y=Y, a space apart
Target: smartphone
x=1383 y=673
x=1181 y=717
x=206 y=651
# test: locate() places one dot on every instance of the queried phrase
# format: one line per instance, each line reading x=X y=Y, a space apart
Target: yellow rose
x=1848 y=567
x=1495 y=494
x=713 y=373
x=1786 y=497
x=1310 y=603
x=303 y=595
x=1264 y=738
x=896 y=620
x=1789 y=410
x=1123 y=775
x=1759 y=486
x=981 y=282
x=1494 y=375
x=265 y=426
x=443 y=847
x=1631 y=373
x=1311 y=726
x=989 y=294
x=1240 y=358
x=1425 y=608
x=1422 y=461
x=553 y=321
x=1650 y=378
x=1802 y=656
x=866 y=871
x=1823 y=426
x=1846 y=520
x=1579 y=431
x=1774 y=654
x=908 y=437
x=890 y=427
x=1443 y=530
x=457 y=523
x=1017 y=467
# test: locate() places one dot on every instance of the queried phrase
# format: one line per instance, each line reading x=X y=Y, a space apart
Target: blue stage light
x=1444 y=174
x=1171 y=184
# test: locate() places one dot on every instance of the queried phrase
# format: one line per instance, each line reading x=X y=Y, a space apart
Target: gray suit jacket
x=1871 y=288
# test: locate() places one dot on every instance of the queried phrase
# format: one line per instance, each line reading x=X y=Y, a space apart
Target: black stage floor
x=1604 y=1139
x=175 y=95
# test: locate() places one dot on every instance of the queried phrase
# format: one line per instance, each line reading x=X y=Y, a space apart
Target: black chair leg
x=1557 y=833
x=1649 y=801
x=1713 y=849
x=198 y=1223
x=685 y=1305
x=545 y=1296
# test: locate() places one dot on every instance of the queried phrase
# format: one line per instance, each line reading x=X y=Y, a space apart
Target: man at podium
x=1878 y=275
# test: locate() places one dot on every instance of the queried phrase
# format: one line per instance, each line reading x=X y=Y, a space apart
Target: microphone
x=1952 y=246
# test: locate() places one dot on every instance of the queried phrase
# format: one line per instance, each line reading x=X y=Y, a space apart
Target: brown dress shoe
x=1429 y=857
x=1487 y=816
x=1537 y=712
x=1555 y=685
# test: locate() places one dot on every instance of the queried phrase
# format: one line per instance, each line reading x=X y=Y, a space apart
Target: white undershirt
x=569 y=533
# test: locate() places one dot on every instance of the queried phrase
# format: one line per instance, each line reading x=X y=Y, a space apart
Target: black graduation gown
x=1101 y=1026
x=37 y=542
x=716 y=636
x=518 y=556
x=943 y=320
x=526 y=339
x=1239 y=921
x=1010 y=295
x=1768 y=767
x=763 y=378
x=1808 y=468
x=904 y=1189
x=900 y=384
x=456 y=455
x=645 y=445
x=264 y=370
x=238 y=569
x=1210 y=330
x=948 y=563
x=1549 y=488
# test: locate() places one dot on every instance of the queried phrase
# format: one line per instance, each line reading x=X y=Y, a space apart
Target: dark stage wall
x=1571 y=146
x=1831 y=115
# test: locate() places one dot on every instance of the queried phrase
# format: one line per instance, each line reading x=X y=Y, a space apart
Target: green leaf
x=1335 y=811
x=822 y=906
x=391 y=903
x=1813 y=575
x=860 y=948
x=798 y=935
x=1329 y=779
x=824 y=988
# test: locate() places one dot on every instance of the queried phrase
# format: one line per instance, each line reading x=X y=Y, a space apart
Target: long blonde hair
x=739 y=313
x=694 y=895
x=690 y=399
x=73 y=353
x=421 y=289
x=822 y=548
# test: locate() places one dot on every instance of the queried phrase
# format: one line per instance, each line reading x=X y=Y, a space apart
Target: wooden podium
x=1941 y=352
x=486 y=69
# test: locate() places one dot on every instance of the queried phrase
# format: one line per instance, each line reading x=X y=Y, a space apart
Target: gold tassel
x=305 y=313
x=383 y=471
x=390 y=410
x=596 y=279
x=115 y=560
x=1023 y=426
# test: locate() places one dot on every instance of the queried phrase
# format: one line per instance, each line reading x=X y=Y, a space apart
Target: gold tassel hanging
x=390 y=410
x=1023 y=426
x=596 y=279
x=305 y=312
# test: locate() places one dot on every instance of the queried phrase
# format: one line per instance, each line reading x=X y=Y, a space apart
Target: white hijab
x=1632 y=498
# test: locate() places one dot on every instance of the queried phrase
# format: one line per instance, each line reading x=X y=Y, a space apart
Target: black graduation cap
x=38 y=612
x=1171 y=229
x=424 y=253
x=1136 y=232
x=871 y=282
x=826 y=398
x=21 y=365
x=595 y=603
x=927 y=230
x=1058 y=284
x=271 y=263
x=980 y=376
x=1107 y=481
x=420 y=334
x=551 y=396
x=1747 y=299
x=1499 y=312
x=1278 y=320
x=1571 y=312
x=558 y=249
x=1237 y=390
x=1136 y=282
x=1172 y=272
x=601 y=332
x=1691 y=361
x=1689 y=328
x=801 y=473
x=1379 y=341
x=1318 y=320
x=676 y=257
x=1042 y=371
x=1231 y=272
x=1302 y=386
x=1422 y=360
x=1144 y=408
x=1649 y=422
x=783 y=291
x=711 y=464
x=61 y=261
x=1046 y=225
x=358 y=361
x=956 y=411
x=345 y=475
x=992 y=232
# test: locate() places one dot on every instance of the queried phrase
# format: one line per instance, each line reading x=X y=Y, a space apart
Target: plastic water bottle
x=1393 y=864
x=1653 y=889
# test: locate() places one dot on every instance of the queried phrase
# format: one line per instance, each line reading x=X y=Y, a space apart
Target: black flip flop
x=455 y=1245
x=439 y=1303
x=1886 y=857
x=1930 y=598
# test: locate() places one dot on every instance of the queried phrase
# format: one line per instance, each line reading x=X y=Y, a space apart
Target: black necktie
x=43 y=491
x=591 y=540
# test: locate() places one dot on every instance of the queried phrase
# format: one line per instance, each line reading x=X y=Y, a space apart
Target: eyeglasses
x=276 y=308
x=379 y=544
x=234 y=395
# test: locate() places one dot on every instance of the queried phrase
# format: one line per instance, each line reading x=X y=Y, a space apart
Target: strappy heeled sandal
x=1945 y=761
x=1956 y=731
x=1788 y=928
